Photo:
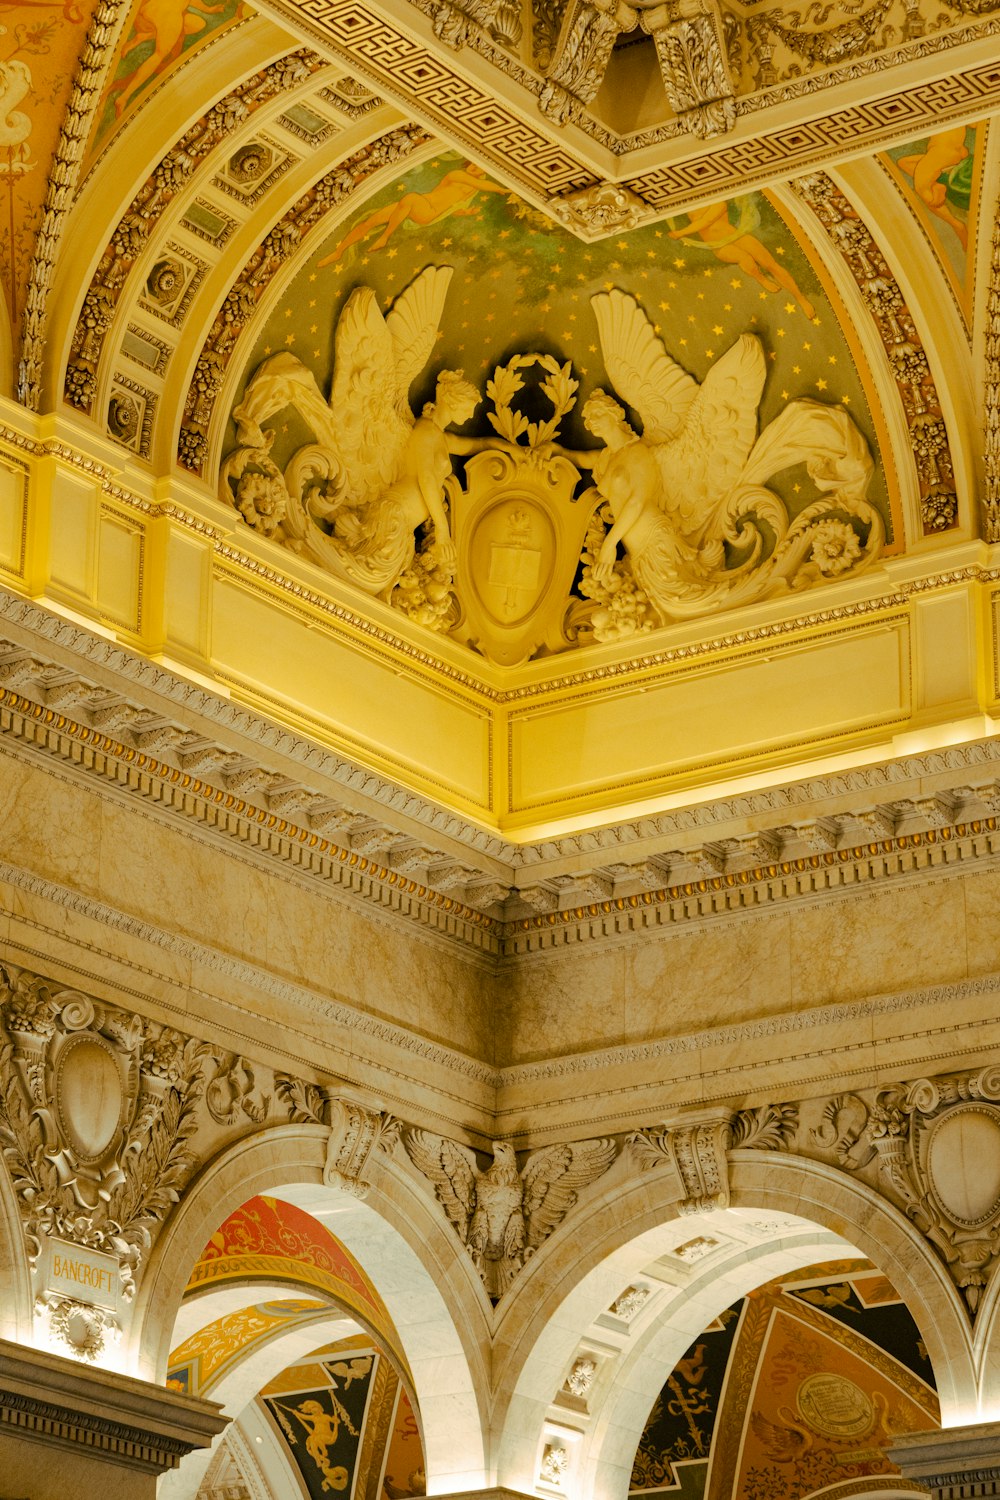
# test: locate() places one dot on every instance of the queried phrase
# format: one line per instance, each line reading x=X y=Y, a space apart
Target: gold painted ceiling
x=764 y=232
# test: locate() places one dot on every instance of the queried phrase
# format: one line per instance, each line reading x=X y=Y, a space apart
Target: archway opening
x=797 y=1388
x=282 y=1327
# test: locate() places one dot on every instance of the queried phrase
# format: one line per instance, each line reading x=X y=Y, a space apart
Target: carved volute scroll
x=695 y=1152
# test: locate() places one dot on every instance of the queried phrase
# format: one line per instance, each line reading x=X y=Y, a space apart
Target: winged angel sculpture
x=502 y=1215
x=353 y=499
x=688 y=500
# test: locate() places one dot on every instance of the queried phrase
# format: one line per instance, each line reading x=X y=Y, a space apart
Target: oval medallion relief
x=963 y=1163
x=89 y=1096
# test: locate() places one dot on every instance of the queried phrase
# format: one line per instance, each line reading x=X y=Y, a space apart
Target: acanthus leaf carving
x=769 y=1127
x=502 y=1214
x=107 y=1177
x=691 y=47
x=581 y=54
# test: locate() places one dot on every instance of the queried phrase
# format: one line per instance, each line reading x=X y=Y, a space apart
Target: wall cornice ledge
x=59 y=1403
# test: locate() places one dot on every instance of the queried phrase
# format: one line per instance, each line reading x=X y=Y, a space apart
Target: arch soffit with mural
x=420 y=1271
x=616 y=1240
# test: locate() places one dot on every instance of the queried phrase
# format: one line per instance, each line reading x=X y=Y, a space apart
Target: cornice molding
x=136 y=1425
x=874 y=824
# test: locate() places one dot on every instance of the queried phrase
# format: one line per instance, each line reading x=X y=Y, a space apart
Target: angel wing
x=413 y=323
x=453 y=1171
x=376 y=360
x=553 y=1176
x=708 y=458
x=639 y=367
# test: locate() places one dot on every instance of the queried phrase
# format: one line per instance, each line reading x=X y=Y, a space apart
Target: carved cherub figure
x=375 y=473
x=503 y=1215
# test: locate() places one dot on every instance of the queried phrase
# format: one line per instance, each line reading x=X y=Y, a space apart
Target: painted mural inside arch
x=795 y=1391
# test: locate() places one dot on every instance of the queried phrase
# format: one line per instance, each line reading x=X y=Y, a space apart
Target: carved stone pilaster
x=695 y=1151
x=952 y=1465
x=583 y=49
x=355 y=1133
x=691 y=48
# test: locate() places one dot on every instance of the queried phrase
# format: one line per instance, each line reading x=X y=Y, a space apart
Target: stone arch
x=411 y=1256
x=573 y=1280
x=15 y=1277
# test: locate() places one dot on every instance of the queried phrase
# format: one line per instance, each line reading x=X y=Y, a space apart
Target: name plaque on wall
x=75 y=1271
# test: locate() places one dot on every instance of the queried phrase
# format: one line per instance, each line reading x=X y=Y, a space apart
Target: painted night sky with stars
x=522 y=284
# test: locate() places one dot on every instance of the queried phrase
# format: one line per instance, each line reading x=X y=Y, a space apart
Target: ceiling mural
x=796 y=1390
x=202 y=1360
x=271 y=1240
x=739 y=459
x=40 y=46
x=158 y=37
x=940 y=176
x=338 y=1414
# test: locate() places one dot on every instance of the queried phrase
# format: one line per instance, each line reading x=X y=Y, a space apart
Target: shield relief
x=518 y=534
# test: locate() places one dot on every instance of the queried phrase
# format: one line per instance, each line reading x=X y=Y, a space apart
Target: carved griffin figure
x=503 y=1215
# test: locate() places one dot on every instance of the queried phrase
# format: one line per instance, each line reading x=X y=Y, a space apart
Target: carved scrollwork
x=696 y=1153
x=770 y=1127
x=356 y=1133
x=96 y=1111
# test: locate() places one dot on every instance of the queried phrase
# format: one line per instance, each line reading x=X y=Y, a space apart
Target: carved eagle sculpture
x=503 y=1215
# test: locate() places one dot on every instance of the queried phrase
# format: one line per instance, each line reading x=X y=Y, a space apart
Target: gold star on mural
x=784 y=395
x=315 y=354
x=709 y=353
x=615 y=265
x=313 y=328
x=288 y=312
x=780 y=332
x=679 y=262
x=312 y=302
x=789 y=307
x=831 y=359
x=591 y=348
x=736 y=283
x=796 y=369
x=780 y=250
x=846 y=400
x=807 y=345
x=289 y=338
x=683 y=341
x=701 y=296
x=717 y=330
x=821 y=385
x=796 y=488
